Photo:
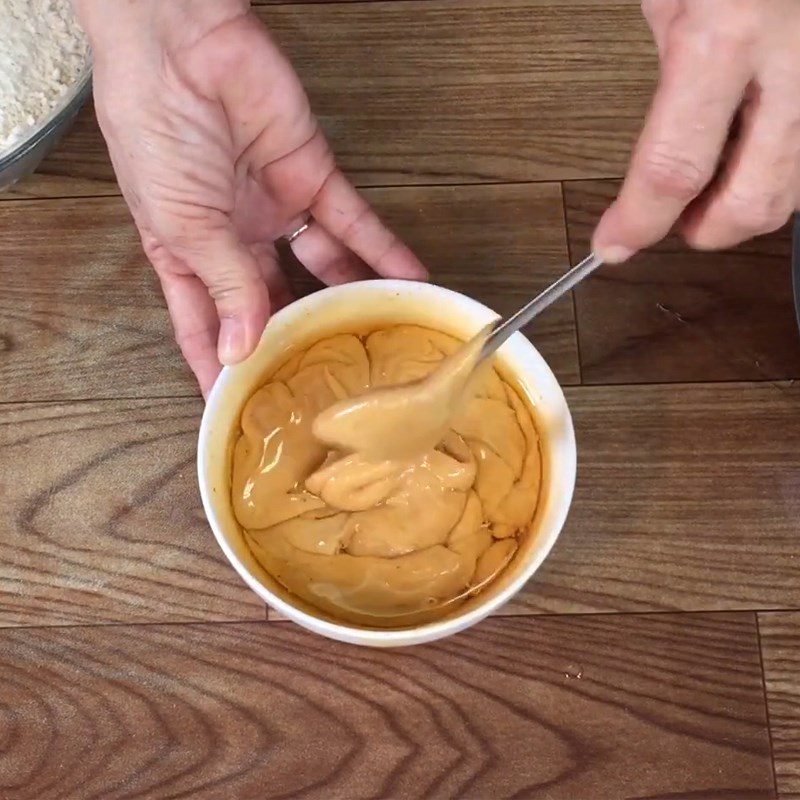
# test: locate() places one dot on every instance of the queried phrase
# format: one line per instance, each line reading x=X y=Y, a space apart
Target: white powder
x=42 y=53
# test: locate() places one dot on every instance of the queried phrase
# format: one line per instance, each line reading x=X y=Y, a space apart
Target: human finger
x=702 y=83
x=229 y=270
x=757 y=192
x=196 y=325
x=280 y=292
x=348 y=217
x=191 y=309
x=327 y=258
x=660 y=14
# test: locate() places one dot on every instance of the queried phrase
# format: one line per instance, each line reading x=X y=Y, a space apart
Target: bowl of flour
x=45 y=77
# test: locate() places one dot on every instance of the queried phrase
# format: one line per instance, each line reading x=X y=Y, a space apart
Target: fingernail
x=614 y=254
x=231 y=346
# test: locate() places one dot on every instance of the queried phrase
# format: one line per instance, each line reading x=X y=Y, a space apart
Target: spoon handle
x=540 y=303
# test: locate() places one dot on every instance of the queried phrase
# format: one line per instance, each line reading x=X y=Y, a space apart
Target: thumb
x=611 y=238
x=235 y=283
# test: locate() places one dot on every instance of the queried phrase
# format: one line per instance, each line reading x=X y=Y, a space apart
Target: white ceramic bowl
x=357 y=307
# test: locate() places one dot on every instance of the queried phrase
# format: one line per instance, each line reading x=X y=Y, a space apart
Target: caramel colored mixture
x=407 y=420
x=368 y=528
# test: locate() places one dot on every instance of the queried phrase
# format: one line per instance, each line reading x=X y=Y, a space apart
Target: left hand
x=719 y=59
x=218 y=155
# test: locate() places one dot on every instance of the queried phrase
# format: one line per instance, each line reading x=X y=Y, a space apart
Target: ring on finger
x=295 y=234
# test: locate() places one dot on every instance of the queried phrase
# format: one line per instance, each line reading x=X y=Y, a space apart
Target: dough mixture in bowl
x=391 y=542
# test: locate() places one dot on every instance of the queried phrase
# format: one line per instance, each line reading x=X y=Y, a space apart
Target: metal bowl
x=23 y=158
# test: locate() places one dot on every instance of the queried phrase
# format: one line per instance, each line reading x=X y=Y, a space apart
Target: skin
x=218 y=154
x=721 y=60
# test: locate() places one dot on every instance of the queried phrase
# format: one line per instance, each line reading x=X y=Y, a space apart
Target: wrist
x=175 y=23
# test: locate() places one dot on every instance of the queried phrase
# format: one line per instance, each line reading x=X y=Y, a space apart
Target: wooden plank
x=473 y=90
x=780 y=648
x=102 y=520
x=684 y=502
x=656 y=706
x=673 y=314
x=500 y=245
x=448 y=91
x=686 y=499
x=92 y=322
x=81 y=313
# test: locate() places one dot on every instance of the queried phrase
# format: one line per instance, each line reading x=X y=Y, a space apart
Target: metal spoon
x=539 y=303
x=394 y=422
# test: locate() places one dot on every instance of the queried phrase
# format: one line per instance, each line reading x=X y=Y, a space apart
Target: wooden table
x=657 y=652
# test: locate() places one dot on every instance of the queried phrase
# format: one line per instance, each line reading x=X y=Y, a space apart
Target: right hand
x=719 y=59
x=218 y=155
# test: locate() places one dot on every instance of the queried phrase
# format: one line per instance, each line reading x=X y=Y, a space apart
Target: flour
x=42 y=54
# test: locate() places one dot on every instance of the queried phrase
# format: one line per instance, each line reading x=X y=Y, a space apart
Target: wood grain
x=673 y=314
x=102 y=520
x=497 y=244
x=446 y=91
x=780 y=647
x=687 y=499
x=81 y=313
x=688 y=496
x=473 y=90
x=657 y=707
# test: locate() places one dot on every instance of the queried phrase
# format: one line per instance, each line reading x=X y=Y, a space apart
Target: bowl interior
x=67 y=106
x=359 y=308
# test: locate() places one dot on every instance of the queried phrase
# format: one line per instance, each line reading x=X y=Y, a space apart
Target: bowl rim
x=427 y=632
x=74 y=98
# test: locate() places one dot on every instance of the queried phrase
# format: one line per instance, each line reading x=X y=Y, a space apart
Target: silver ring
x=289 y=238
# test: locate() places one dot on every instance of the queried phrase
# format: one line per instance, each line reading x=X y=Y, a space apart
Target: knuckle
x=721 y=35
x=354 y=227
x=225 y=290
x=757 y=212
x=151 y=246
x=669 y=173
x=235 y=292
x=194 y=343
x=738 y=29
x=779 y=77
x=156 y=254
x=730 y=40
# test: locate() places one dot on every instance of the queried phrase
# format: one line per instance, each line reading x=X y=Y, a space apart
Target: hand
x=722 y=61
x=218 y=155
